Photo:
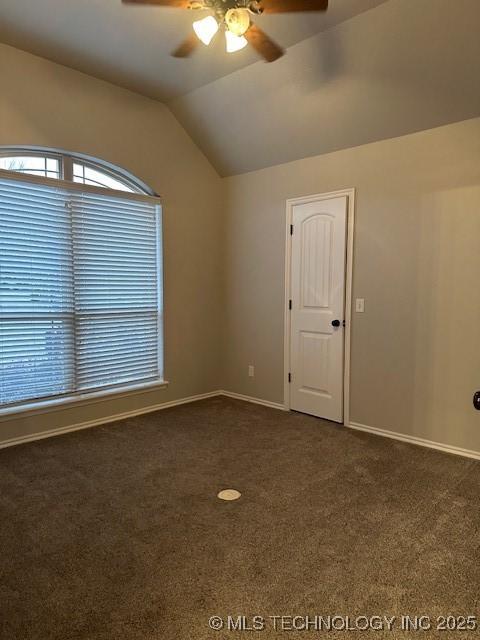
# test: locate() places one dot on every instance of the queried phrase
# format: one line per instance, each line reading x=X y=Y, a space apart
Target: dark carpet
x=116 y=532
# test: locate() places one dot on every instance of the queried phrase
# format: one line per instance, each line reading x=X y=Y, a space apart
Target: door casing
x=350 y=193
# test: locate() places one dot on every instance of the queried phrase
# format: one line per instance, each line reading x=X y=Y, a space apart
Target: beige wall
x=416 y=350
x=42 y=103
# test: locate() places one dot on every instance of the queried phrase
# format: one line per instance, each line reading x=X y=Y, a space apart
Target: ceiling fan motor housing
x=222 y=7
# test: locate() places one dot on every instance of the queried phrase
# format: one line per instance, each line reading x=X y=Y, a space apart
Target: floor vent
x=229 y=494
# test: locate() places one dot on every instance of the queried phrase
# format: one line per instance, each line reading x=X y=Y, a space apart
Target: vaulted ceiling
x=366 y=70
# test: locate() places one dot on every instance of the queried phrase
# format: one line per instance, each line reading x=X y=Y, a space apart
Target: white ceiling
x=405 y=66
x=131 y=45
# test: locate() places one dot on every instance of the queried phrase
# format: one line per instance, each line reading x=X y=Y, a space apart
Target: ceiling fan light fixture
x=237 y=21
x=206 y=29
x=235 y=43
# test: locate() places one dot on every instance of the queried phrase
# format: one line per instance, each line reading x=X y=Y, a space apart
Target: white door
x=318 y=307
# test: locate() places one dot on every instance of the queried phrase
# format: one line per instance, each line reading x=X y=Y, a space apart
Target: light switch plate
x=360 y=305
x=251 y=371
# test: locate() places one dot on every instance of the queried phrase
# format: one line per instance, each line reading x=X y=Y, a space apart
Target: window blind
x=116 y=290
x=80 y=289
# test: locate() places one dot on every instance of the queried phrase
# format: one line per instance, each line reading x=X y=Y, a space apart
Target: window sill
x=44 y=406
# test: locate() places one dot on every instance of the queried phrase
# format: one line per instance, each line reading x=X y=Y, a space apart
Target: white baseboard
x=237 y=396
x=264 y=403
x=99 y=421
x=131 y=414
x=446 y=448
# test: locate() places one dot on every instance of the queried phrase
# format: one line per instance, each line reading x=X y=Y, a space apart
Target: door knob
x=335 y=323
x=476 y=400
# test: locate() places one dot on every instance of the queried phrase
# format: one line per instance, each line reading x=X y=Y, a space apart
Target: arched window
x=81 y=301
x=76 y=168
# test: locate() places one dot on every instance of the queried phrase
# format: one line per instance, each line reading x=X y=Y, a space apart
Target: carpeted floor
x=116 y=532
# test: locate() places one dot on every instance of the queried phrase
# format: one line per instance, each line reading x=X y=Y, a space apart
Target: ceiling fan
x=235 y=17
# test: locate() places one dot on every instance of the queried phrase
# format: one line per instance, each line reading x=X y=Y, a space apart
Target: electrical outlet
x=360 y=305
x=251 y=371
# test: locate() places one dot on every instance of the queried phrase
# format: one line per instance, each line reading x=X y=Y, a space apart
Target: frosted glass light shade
x=235 y=43
x=206 y=29
x=237 y=21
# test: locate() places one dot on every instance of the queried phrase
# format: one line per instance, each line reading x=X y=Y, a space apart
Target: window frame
x=20 y=152
x=141 y=193
x=66 y=161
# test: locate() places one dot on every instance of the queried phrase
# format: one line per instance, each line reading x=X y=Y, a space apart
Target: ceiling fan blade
x=187 y=47
x=290 y=6
x=181 y=4
x=264 y=45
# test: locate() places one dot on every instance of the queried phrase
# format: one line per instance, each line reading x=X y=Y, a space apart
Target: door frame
x=291 y=202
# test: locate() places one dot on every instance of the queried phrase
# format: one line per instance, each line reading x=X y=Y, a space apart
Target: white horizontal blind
x=36 y=292
x=80 y=290
x=117 y=293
